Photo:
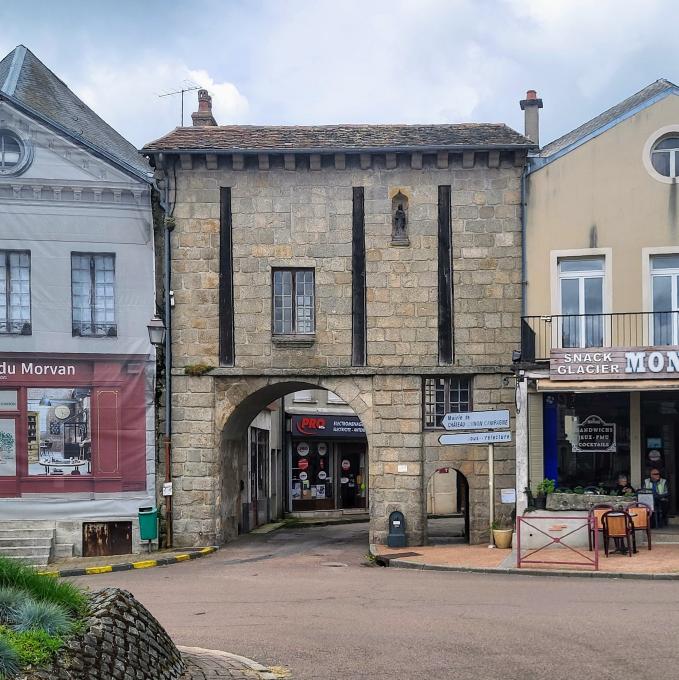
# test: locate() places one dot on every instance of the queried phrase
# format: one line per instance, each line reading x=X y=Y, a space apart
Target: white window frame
x=647 y=290
x=555 y=257
x=25 y=324
x=657 y=136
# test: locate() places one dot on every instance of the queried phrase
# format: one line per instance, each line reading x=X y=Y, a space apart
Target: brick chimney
x=531 y=106
x=203 y=116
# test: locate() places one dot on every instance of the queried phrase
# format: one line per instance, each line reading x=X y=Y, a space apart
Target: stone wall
x=303 y=218
x=122 y=641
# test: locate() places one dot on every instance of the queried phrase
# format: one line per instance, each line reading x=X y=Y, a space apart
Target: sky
x=348 y=61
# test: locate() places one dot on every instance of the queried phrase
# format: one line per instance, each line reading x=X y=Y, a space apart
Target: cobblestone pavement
x=205 y=664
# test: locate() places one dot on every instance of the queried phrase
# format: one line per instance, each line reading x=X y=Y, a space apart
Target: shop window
x=15 y=292
x=665 y=285
x=293 y=302
x=581 y=291
x=93 y=294
x=59 y=431
x=304 y=397
x=445 y=395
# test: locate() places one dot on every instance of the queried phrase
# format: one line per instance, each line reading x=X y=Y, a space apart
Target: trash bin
x=397 y=530
x=148 y=524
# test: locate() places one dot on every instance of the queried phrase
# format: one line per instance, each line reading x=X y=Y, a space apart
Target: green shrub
x=9 y=658
x=36 y=615
x=10 y=599
x=43 y=588
x=33 y=647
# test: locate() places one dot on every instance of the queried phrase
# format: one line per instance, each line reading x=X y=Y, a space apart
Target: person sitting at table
x=658 y=484
x=623 y=486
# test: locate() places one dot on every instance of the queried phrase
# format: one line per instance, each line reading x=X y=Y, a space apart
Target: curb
x=264 y=672
x=402 y=564
x=128 y=566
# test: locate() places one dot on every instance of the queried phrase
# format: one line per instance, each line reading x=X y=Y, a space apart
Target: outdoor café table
x=74 y=463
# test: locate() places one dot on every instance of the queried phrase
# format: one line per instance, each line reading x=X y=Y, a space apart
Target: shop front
x=72 y=426
x=595 y=416
x=327 y=463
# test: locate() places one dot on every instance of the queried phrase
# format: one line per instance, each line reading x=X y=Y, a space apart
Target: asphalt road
x=304 y=599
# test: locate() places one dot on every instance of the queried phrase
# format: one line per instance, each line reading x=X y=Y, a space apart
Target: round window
x=14 y=154
x=664 y=156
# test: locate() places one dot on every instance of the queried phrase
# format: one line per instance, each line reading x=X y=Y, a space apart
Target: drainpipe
x=524 y=283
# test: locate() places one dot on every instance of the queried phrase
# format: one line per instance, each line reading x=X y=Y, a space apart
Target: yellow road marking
x=98 y=570
x=145 y=564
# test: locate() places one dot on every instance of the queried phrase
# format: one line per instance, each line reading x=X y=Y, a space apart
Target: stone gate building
x=380 y=262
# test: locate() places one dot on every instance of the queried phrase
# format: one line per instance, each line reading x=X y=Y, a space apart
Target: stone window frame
x=430 y=418
x=11 y=325
x=295 y=335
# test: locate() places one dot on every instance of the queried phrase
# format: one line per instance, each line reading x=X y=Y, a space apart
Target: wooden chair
x=595 y=514
x=618 y=524
x=641 y=516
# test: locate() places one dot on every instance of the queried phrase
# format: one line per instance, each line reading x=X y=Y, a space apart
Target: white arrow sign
x=476 y=420
x=475 y=438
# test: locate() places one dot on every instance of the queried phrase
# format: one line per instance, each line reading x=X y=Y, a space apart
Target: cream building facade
x=598 y=367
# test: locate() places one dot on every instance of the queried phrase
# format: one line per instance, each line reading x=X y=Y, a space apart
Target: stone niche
x=399 y=219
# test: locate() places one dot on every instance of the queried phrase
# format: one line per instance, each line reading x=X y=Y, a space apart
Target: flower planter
x=503 y=538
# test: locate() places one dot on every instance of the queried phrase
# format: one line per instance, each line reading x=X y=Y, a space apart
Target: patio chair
x=595 y=514
x=641 y=516
x=618 y=524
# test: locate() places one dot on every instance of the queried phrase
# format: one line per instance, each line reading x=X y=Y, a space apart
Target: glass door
x=581 y=292
x=664 y=283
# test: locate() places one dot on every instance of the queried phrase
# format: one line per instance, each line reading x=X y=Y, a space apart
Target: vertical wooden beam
x=227 y=351
x=340 y=161
x=365 y=161
x=493 y=159
x=445 y=292
x=289 y=161
x=315 y=161
x=467 y=159
x=358 y=286
x=442 y=160
x=390 y=161
x=416 y=160
x=238 y=161
x=263 y=161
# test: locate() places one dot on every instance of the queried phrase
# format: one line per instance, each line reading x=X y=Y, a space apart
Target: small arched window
x=665 y=156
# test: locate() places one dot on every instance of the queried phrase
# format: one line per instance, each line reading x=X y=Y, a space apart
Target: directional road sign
x=476 y=438
x=476 y=420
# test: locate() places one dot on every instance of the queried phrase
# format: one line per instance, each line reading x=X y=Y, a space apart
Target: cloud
x=127 y=95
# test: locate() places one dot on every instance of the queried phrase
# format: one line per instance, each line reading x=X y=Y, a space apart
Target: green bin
x=148 y=524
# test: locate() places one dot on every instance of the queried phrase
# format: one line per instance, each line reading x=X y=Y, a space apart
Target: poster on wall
x=8 y=448
x=595 y=436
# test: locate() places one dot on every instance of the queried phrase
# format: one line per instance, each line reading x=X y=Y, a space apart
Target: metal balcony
x=541 y=334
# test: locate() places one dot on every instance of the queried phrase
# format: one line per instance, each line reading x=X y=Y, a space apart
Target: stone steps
x=29 y=542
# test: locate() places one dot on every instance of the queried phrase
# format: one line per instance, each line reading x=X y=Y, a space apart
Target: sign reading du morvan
x=619 y=363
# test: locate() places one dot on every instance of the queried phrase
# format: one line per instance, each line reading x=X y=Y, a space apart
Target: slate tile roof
x=341 y=138
x=27 y=81
x=607 y=117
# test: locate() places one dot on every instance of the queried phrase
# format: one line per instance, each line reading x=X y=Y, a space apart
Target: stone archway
x=237 y=402
x=447 y=506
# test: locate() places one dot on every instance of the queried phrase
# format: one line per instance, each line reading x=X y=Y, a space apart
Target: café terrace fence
x=541 y=334
x=543 y=541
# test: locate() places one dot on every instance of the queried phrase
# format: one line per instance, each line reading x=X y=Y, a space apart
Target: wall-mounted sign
x=477 y=420
x=595 y=436
x=335 y=427
x=620 y=363
x=476 y=438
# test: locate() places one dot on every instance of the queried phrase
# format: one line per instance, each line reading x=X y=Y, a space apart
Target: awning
x=547 y=385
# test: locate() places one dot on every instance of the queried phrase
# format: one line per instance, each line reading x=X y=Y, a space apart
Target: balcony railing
x=541 y=334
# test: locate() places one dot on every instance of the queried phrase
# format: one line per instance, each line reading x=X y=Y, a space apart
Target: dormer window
x=14 y=153
x=664 y=157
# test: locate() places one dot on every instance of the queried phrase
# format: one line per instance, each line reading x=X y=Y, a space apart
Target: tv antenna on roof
x=188 y=88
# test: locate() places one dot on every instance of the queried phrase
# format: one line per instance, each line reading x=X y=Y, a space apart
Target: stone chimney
x=203 y=116
x=531 y=106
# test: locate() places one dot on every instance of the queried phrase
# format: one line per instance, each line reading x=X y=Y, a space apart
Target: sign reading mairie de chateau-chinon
x=619 y=363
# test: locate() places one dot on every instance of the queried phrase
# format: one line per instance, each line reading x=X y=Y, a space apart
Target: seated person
x=658 y=484
x=623 y=486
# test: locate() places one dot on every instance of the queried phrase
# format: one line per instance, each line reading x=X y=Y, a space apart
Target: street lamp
x=156 y=329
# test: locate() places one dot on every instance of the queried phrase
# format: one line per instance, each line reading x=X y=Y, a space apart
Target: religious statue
x=398 y=234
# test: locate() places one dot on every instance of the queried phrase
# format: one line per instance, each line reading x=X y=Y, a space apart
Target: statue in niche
x=399 y=233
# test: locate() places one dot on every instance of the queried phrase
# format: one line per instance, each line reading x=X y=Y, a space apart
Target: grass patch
x=33 y=647
x=42 y=588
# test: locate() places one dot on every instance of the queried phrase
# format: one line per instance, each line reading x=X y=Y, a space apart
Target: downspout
x=524 y=283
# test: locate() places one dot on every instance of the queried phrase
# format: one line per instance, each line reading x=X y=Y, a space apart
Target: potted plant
x=503 y=529
x=545 y=487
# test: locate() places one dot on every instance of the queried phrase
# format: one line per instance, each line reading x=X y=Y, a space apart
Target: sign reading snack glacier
x=475 y=438
x=476 y=420
x=619 y=363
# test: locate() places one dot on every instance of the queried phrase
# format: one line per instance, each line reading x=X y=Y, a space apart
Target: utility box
x=397 y=530
x=148 y=524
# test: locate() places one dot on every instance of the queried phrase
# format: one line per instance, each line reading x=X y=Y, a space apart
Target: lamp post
x=157 y=337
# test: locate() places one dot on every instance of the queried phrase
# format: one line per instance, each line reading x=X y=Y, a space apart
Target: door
x=259 y=476
x=664 y=284
x=581 y=295
x=352 y=476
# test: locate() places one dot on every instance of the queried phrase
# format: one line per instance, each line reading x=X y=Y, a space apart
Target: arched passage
x=317 y=466
x=447 y=507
